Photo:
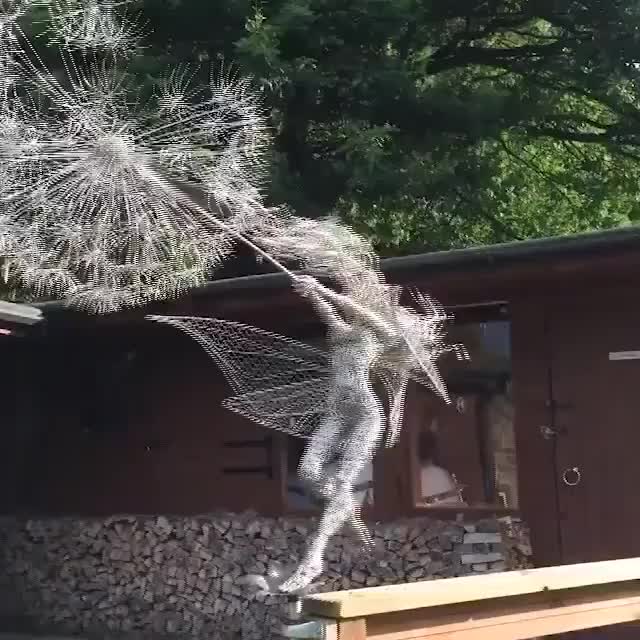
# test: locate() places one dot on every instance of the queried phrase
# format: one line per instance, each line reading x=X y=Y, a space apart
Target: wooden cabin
x=114 y=414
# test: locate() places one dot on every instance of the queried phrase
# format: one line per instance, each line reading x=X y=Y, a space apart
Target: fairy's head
x=420 y=342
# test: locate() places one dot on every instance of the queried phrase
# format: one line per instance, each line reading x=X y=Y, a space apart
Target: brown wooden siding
x=168 y=446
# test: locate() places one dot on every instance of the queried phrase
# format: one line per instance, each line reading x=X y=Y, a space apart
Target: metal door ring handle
x=577 y=476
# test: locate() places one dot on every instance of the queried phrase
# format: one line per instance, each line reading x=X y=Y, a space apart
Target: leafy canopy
x=431 y=124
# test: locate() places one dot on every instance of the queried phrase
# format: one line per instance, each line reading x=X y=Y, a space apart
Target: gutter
x=521 y=251
x=483 y=257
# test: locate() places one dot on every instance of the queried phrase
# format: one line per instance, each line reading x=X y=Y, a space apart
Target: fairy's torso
x=352 y=353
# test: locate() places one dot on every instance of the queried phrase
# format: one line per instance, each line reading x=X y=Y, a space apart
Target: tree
x=433 y=124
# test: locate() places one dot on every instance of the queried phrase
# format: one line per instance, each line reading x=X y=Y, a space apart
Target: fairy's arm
x=308 y=287
x=345 y=302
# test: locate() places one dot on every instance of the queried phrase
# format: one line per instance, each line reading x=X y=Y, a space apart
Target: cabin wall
x=145 y=436
x=133 y=424
x=148 y=439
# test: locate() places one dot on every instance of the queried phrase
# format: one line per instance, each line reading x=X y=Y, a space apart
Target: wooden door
x=595 y=389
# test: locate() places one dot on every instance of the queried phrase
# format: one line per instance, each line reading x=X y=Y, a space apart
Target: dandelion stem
x=185 y=199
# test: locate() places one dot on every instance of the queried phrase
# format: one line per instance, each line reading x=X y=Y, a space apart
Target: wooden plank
x=403 y=597
x=517 y=618
x=355 y=629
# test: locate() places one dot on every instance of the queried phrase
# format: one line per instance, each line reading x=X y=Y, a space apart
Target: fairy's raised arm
x=374 y=320
x=308 y=287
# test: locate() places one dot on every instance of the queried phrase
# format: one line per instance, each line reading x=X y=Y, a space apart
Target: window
x=464 y=453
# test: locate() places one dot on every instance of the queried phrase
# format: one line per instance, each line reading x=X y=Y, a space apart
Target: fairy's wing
x=395 y=384
x=430 y=377
x=396 y=378
x=295 y=409
x=278 y=382
x=252 y=359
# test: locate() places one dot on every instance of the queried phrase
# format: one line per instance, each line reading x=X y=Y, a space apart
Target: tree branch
x=496 y=57
x=582 y=136
x=559 y=188
x=497 y=225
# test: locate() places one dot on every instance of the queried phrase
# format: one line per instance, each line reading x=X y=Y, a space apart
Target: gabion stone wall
x=186 y=577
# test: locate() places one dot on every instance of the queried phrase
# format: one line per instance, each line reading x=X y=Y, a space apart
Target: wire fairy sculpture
x=328 y=396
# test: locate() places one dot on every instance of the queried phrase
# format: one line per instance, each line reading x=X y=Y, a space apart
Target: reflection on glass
x=466 y=450
x=500 y=414
x=437 y=485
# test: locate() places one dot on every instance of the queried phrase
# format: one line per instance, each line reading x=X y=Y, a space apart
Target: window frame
x=396 y=470
x=464 y=315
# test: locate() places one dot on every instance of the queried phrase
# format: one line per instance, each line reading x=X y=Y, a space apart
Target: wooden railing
x=501 y=606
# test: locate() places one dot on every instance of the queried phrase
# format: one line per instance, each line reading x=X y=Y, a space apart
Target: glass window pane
x=466 y=450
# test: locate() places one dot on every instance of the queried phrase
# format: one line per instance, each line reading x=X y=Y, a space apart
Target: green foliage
x=430 y=124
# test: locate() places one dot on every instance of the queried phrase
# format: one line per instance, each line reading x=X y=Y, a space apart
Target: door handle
x=572 y=476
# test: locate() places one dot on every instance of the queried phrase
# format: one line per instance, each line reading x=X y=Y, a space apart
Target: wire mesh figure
x=361 y=341
x=352 y=426
x=328 y=397
x=328 y=248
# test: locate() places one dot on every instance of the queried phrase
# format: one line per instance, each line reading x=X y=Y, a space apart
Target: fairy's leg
x=357 y=449
x=320 y=448
x=313 y=469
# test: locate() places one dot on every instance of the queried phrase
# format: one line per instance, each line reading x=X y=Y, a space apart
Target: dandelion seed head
x=9 y=71
x=115 y=152
x=10 y=12
x=93 y=25
x=175 y=92
x=115 y=198
x=54 y=281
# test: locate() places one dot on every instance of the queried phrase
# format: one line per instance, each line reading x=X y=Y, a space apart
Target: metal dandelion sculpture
x=93 y=24
x=114 y=200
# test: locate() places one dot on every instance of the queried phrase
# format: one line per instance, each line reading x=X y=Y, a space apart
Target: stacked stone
x=483 y=548
x=184 y=576
x=517 y=543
